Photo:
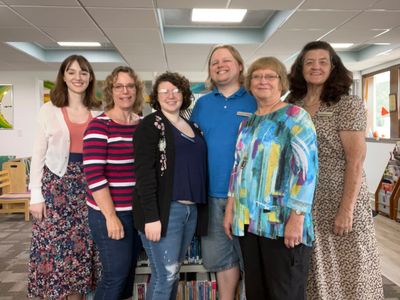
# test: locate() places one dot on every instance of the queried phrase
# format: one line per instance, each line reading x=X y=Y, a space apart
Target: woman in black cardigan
x=171 y=193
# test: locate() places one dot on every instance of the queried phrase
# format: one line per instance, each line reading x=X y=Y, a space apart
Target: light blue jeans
x=167 y=255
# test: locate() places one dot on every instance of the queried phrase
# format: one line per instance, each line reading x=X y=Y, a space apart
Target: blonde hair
x=210 y=84
x=269 y=63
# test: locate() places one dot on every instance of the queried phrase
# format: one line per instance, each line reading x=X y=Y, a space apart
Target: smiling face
x=169 y=97
x=265 y=85
x=317 y=67
x=76 y=79
x=224 y=68
x=124 y=91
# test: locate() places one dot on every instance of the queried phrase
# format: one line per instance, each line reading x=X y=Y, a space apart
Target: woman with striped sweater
x=108 y=164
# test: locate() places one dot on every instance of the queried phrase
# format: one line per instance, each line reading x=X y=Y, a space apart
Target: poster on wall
x=6 y=106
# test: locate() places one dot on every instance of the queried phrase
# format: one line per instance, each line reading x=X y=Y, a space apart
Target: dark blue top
x=190 y=168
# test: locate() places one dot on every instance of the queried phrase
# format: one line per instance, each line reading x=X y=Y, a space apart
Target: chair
x=12 y=202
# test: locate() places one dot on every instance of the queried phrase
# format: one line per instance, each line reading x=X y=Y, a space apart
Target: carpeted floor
x=14 y=246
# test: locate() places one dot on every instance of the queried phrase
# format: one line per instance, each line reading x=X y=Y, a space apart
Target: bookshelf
x=387 y=195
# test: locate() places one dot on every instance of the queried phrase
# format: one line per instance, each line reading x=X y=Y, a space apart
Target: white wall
x=26 y=90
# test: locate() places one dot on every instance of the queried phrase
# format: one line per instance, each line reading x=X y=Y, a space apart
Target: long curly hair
x=337 y=84
x=109 y=84
x=178 y=80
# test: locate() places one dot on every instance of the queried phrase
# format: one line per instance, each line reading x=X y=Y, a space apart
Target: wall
x=26 y=91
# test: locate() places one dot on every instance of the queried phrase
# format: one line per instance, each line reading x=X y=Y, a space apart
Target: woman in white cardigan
x=62 y=262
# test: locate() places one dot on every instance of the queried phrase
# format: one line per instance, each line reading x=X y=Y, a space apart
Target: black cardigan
x=154 y=147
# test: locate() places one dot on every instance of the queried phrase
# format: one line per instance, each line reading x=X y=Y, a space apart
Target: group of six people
x=275 y=189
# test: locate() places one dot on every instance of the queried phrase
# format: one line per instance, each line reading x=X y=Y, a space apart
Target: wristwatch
x=298 y=212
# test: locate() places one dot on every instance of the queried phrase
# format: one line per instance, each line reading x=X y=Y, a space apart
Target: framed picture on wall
x=6 y=106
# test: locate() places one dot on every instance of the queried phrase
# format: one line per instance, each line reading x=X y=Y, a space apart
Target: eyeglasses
x=267 y=77
x=165 y=92
x=120 y=87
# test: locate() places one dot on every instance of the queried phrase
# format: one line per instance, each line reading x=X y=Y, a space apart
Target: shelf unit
x=387 y=195
x=189 y=268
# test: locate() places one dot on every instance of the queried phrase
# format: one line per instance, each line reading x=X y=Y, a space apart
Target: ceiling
x=155 y=35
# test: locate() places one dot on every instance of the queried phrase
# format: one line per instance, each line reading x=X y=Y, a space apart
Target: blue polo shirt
x=219 y=118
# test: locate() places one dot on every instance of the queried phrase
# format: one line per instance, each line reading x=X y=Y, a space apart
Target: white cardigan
x=51 y=147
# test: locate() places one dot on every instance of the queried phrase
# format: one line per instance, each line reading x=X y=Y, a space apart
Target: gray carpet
x=14 y=246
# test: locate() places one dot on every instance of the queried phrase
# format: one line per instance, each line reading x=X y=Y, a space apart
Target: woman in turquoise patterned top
x=272 y=188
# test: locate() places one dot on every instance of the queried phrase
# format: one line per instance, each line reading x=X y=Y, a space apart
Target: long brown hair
x=59 y=94
x=337 y=84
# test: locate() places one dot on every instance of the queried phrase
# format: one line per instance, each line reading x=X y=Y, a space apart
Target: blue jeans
x=219 y=252
x=167 y=255
x=118 y=257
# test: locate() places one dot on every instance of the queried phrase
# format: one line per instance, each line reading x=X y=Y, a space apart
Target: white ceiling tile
x=265 y=4
x=317 y=19
x=118 y=3
x=374 y=20
x=56 y=17
x=338 y=4
x=130 y=49
x=9 y=19
x=355 y=36
x=292 y=40
x=23 y=35
x=387 y=4
x=127 y=17
x=392 y=36
x=192 y=3
x=70 y=3
x=140 y=35
x=69 y=35
x=189 y=49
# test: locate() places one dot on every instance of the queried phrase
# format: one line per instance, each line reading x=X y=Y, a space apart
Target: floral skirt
x=63 y=258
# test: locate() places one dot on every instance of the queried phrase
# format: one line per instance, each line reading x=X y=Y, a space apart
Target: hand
x=115 y=229
x=38 y=211
x=293 y=234
x=153 y=231
x=343 y=222
x=228 y=218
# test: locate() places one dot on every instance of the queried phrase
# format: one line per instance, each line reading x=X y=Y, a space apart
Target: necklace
x=268 y=105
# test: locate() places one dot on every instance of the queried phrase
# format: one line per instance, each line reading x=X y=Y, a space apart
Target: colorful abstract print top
x=275 y=171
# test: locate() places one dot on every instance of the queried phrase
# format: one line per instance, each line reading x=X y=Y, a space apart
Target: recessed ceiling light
x=341 y=45
x=218 y=15
x=79 y=44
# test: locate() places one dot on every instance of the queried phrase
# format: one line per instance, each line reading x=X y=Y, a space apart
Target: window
x=376 y=94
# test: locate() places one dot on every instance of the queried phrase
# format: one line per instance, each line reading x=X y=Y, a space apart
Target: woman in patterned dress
x=345 y=260
x=272 y=187
x=62 y=257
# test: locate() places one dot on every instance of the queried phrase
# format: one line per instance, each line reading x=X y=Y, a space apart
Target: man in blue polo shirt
x=219 y=114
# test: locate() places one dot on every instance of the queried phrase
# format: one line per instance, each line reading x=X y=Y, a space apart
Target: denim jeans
x=118 y=257
x=219 y=252
x=167 y=255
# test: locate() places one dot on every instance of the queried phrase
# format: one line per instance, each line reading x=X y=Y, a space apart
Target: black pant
x=272 y=271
